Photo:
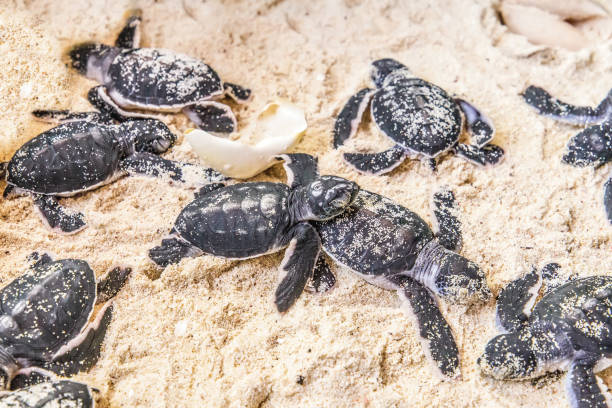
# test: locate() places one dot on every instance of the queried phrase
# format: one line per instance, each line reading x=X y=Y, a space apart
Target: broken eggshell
x=279 y=127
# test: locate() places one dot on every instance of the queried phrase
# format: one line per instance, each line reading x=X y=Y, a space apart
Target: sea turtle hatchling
x=44 y=320
x=420 y=117
x=569 y=329
x=88 y=150
x=50 y=394
x=251 y=219
x=155 y=80
x=590 y=147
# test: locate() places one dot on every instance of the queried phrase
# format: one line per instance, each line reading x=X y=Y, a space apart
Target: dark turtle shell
x=46 y=307
x=238 y=221
x=148 y=77
x=417 y=115
x=582 y=310
x=375 y=236
x=69 y=158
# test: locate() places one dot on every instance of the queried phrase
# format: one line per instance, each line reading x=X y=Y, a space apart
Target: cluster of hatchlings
x=45 y=322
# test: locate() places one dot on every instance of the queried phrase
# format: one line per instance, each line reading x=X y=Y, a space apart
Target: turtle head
x=383 y=68
x=91 y=59
x=325 y=197
x=149 y=135
x=508 y=357
x=460 y=280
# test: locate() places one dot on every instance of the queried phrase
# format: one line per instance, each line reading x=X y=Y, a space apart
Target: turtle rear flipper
x=57 y=217
x=212 y=116
x=377 y=163
x=349 y=118
x=584 y=389
x=129 y=37
x=238 y=93
x=298 y=265
x=488 y=155
x=592 y=146
x=65 y=116
x=515 y=301
x=29 y=376
x=480 y=127
x=323 y=278
x=111 y=283
x=607 y=199
x=447 y=223
x=436 y=335
x=171 y=251
x=301 y=168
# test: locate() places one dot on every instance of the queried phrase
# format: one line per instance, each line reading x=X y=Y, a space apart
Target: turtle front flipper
x=298 y=264
x=349 y=118
x=111 y=283
x=607 y=199
x=238 y=93
x=377 y=163
x=83 y=351
x=480 y=127
x=434 y=331
x=212 y=117
x=323 y=278
x=57 y=393
x=208 y=188
x=583 y=387
x=57 y=217
x=149 y=164
x=592 y=146
x=516 y=300
x=488 y=155
x=129 y=37
x=65 y=116
x=301 y=168
x=553 y=108
x=36 y=259
x=446 y=213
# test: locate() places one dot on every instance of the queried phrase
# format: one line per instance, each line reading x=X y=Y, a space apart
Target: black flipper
x=480 y=127
x=171 y=251
x=149 y=164
x=57 y=217
x=110 y=284
x=55 y=393
x=432 y=164
x=350 y=116
x=592 y=146
x=323 y=278
x=3 y=167
x=301 y=168
x=298 y=264
x=30 y=376
x=607 y=199
x=377 y=163
x=238 y=93
x=550 y=277
x=553 y=108
x=212 y=117
x=447 y=224
x=207 y=189
x=515 y=301
x=584 y=391
x=98 y=96
x=488 y=155
x=36 y=259
x=65 y=116
x=129 y=37
x=436 y=335
x=83 y=351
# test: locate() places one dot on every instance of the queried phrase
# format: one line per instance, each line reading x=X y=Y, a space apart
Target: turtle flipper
x=323 y=278
x=301 y=168
x=436 y=335
x=29 y=376
x=350 y=116
x=57 y=393
x=584 y=390
x=488 y=155
x=65 y=116
x=129 y=37
x=446 y=213
x=98 y=96
x=480 y=127
x=82 y=352
x=592 y=146
x=553 y=108
x=212 y=117
x=207 y=189
x=608 y=198
x=515 y=300
x=110 y=284
x=298 y=264
x=550 y=277
x=36 y=259
x=377 y=163
x=171 y=251
x=238 y=93
x=149 y=164
x=57 y=217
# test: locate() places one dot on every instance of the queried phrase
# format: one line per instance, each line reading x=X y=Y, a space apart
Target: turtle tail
x=171 y=251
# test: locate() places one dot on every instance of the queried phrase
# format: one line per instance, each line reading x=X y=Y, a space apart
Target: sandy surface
x=205 y=332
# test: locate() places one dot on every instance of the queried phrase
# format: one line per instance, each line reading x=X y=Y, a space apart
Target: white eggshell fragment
x=567 y=9
x=279 y=127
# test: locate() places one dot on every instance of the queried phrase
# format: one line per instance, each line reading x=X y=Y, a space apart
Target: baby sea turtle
x=251 y=219
x=44 y=316
x=420 y=117
x=590 y=147
x=62 y=393
x=88 y=150
x=569 y=329
x=156 y=80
